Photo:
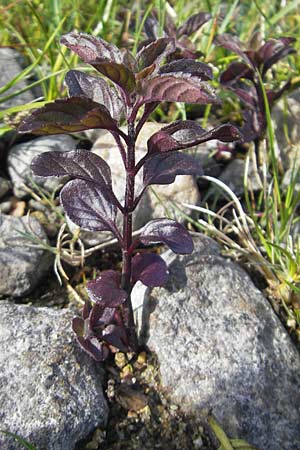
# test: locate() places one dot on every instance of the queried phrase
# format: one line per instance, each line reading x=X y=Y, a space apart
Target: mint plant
x=135 y=88
x=245 y=79
x=184 y=46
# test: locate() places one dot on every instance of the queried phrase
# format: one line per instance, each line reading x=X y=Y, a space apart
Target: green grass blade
x=284 y=11
x=20 y=440
x=21 y=108
x=30 y=68
x=221 y=435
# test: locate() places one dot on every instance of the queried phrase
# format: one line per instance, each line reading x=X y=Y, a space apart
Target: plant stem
x=127 y=232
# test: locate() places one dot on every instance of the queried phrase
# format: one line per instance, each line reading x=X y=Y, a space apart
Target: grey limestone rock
x=22 y=266
x=287 y=127
x=11 y=64
x=233 y=177
x=21 y=155
x=287 y=124
x=222 y=349
x=50 y=390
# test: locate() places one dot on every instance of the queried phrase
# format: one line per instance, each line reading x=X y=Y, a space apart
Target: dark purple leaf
x=96 y=89
x=233 y=44
x=185 y=134
x=78 y=326
x=116 y=336
x=151 y=27
x=99 y=316
x=150 y=269
x=88 y=206
x=254 y=125
x=193 y=24
x=81 y=164
x=177 y=87
x=68 y=115
x=76 y=164
x=275 y=95
x=162 y=168
x=168 y=232
x=274 y=50
x=145 y=43
x=129 y=60
x=155 y=52
x=106 y=289
x=247 y=94
x=87 y=307
x=89 y=48
x=235 y=71
x=97 y=350
x=116 y=72
x=145 y=73
x=189 y=66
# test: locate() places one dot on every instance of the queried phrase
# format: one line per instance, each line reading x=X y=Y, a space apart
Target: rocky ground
x=211 y=343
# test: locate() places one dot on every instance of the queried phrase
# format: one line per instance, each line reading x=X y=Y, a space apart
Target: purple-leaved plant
x=140 y=82
x=245 y=79
x=184 y=47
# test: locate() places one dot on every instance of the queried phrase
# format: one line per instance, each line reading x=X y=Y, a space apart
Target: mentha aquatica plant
x=136 y=86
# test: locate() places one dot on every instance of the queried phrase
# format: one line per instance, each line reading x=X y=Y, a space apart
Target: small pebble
x=120 y=360
x=198 y=443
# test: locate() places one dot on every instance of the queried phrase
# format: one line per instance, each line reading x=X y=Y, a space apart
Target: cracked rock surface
x=22 y=266
x=221 y=348
x=50 y=390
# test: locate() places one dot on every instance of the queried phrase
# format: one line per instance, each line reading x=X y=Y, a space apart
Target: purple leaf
x=150 y=269
x=96 y=89
x=155 y=52
x=151 y=28
x=235 y=71
x=274 y=50
x=275 y=95
x=101 y=316
x=106 y=289
x=88 y=206
x=162 y=168
x=177 y=87
x=97 y=350
x=129 y=60
x=89 y=48
x=81 y=164
x=68 y=115
x=116 y=72
x=116 y=336
x=247 y=94
x=87 y=307
x=193 y=24
x=78 y=326
x=196 y=69
x=233 y=44
x=168 y=232
x=76 y=164
x=185 y=134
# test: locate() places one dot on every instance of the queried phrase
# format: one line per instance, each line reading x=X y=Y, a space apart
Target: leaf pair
x=242 y=79
x=163 y=161
x=150 y=268
x=184 y=46
x=87 y=199
x=261 y=59
x=140 y=75
x=101 y=328
x=93 y=103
